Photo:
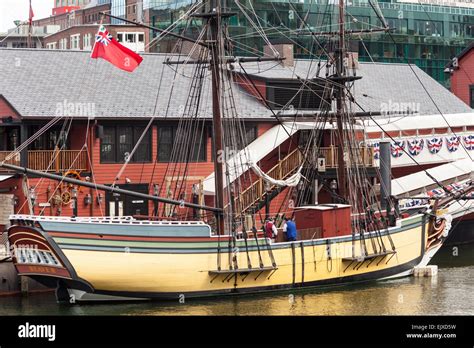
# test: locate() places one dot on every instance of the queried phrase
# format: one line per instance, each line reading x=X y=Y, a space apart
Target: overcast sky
x=11 y=10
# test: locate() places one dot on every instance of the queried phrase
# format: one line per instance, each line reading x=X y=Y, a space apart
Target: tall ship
x=217 y=238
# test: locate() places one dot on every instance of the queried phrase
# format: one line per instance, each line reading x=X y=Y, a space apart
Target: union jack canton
x=103 y=36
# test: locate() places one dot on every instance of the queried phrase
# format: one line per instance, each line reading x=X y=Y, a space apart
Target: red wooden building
x=93 y=115
x=461 y=69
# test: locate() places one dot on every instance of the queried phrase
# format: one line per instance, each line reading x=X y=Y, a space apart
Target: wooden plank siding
x=462 y=78
x=155 y=173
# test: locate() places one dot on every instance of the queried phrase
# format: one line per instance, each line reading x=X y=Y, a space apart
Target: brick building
x=77 y=28
x=85 y=15
x=82 y=37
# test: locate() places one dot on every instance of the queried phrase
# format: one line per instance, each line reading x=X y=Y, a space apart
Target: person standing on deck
x=290 y=229
x=271 y=231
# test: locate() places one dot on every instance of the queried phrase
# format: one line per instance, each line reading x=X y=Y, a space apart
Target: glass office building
x=428 y=35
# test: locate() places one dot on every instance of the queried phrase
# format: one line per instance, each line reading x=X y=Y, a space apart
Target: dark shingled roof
x=37 y=81
x=381 y=83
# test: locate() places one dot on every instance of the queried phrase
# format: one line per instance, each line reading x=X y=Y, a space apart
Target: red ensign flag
x=107 y=48
x=31 y=14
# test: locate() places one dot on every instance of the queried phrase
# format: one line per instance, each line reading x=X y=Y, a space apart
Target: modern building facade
x=426 y=34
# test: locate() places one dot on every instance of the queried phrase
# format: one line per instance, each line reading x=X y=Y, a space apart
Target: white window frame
x=63 y=44
x=87 y=42
x=138 y=46
x=52 y=45
x=76 y=42
x=135 y=33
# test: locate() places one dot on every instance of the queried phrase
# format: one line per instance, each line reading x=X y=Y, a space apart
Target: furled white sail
x=292 y=181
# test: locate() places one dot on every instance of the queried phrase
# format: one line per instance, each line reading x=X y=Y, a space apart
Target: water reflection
x=448 y=293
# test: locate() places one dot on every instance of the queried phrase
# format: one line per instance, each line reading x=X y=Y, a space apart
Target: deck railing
x=57 y=160
x=51 y=160
x=281 y=171
x=364 y=157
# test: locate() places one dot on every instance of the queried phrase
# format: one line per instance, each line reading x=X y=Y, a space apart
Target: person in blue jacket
x=290 y=229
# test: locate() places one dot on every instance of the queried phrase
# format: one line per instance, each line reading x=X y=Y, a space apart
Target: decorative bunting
x=434 y=144
x=452 y=143
x=376 y=147
x=397 y=148
x=436 y=193
x=455 y=187
x=415 y=146
x=412 y=203
x=469 y=142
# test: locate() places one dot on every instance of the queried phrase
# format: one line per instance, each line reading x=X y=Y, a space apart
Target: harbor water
x=448 y=293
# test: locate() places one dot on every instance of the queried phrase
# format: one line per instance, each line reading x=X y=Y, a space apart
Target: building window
x=471 y=93
x=63 y=44
x=143 y=152
x=400 y=25
x=469 y=30
x=455 y=29
x=132 y=40
x=118 y=142
x=107 y=145
x=286 y=94
x=86 y=44
x=171 y=136
x=428 y=28
x=51 y=45
x=75 y=41
x=55 y=137
x=130 y=37
x=250 y=134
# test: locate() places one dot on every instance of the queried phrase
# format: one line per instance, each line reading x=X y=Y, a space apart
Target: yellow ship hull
x=190 y=268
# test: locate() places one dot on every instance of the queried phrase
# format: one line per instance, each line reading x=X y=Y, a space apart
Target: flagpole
x=29 y=27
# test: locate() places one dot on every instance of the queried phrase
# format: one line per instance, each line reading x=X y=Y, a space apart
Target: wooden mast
x=219 y=156
x=340 y=75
